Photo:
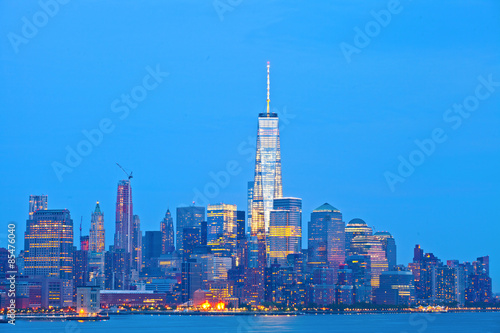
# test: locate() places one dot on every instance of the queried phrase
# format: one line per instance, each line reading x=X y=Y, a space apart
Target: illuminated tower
x=285 y=229
x=326 y=237
x=48 y=240
x=355 y=227
x=136 y=240
x=97 y=243
x=222 y=227
x=267 y=186
x=372 y=247
x=267 y=179
x=124 y=217
x=167 y=234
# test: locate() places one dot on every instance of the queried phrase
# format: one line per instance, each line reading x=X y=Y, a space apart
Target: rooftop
x=326 y=207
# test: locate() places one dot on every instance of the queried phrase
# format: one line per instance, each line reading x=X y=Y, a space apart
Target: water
x=372 y=323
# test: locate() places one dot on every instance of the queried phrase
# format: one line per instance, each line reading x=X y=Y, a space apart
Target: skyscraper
x=37 y=202
x=188 y=217
x=355 y=227
x=396 y=288
x=249 y=203
x=267 y=180
x=285 y=229
x=372 y=247
x=222 y=226
x=48 y=249
x=167 y=233
x=389 y=245
x=124 y=217
x=326 y=239
x=97 y=241
x=152 y=244
x=136 y=244
x=267 y=186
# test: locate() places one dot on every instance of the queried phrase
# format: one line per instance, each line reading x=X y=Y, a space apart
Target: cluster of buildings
x=219 y=254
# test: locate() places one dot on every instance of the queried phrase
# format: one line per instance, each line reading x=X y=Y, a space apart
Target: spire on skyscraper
x=268 y=86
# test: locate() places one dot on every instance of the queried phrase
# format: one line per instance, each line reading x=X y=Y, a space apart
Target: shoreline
x=107 y=316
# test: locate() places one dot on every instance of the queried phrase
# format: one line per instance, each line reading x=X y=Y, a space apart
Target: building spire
x=268 y=86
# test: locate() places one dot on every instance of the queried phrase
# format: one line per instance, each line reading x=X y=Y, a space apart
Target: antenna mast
x=268 y=86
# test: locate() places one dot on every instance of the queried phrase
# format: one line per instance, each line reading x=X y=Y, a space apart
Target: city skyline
x=219 y=262
x=343 y=124
x=125 y=219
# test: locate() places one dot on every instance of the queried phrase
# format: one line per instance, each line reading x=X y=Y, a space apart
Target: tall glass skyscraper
x=97 y=242
x=222 y=226
x=285 y=229
x=124 y=217
x=267 y=186
x=167 y=234
x=326 y=241
x=188 y=217
x=48 y=244
x=267 y=178
x=136 y=239
x=371 y=246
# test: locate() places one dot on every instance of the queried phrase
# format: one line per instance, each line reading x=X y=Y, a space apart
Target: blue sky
x=344 y=123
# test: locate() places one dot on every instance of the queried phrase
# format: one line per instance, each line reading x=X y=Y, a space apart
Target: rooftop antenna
x=81 y=221
x=268 y=86
x=128 y=175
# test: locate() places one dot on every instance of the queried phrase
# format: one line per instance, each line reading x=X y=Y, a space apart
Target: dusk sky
x=351 y=107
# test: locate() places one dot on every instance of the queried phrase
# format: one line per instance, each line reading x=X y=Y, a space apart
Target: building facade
x=285 y=229
x=49 y=244
x=97 y=232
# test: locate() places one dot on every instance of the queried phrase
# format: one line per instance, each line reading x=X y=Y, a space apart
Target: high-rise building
x=285 y=229
x=240 y=224
x=188 y=217
x=136 y=244
x=117 y=270
x=48 y=249
x=97 y=240
x=396 y=288
x=191 y=239
x=361 y=272
x=80 y=268
x=124 y=217
x=355 y=227
x=37 y=202
x=85 y=243
x=167 y=234
x=152 y=244
x=372 y=247
x=482 y=265
x=326 y=241
x=389 y=245
x=96 y=269
x=249 y=204
x=222 y=226
x=267 y=184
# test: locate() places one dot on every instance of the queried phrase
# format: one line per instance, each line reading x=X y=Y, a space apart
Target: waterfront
x=486 y=322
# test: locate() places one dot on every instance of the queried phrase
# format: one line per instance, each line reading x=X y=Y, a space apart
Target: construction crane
x=128 y=175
